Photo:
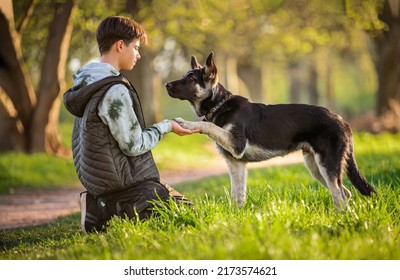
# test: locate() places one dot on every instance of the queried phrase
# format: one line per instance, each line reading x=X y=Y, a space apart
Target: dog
x=250 y=132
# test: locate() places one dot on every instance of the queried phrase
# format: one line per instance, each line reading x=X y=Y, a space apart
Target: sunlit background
x=342 y=54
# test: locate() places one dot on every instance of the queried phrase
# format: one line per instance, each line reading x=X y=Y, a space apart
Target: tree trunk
x=15 y=82
x=34 y=126
x=388 y=56
x=228 y=73
x=44 y=129
x=10 y=137
x=313 y=82
x=251 y=77
x=295 y=82
x=329 y=88
x=231 y=74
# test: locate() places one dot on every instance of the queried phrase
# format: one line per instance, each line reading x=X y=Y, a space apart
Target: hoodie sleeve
x=116 y=111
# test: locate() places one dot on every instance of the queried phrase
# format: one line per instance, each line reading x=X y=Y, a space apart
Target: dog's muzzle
x=168 y=85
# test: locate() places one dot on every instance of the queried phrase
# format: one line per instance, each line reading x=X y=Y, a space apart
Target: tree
x=17 y=91
x=381 y=20
x=35 y=120
x=37 y=38
x=52 y=81
x=387 y=43
x=301 y=29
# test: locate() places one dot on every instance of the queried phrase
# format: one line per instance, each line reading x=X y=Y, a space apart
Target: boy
x=111 y=145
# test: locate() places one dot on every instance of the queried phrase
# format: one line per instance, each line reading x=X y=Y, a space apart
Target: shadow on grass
x=28 y=238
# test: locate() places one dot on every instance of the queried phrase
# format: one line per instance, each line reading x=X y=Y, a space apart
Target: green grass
x=40 y=171
x=287 y=216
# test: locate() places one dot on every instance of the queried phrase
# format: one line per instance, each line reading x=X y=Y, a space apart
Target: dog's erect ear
x=211 y=69
x=195 y=64
x=210 y=59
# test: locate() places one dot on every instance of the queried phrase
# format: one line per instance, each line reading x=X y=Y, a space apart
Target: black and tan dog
x=248 y=132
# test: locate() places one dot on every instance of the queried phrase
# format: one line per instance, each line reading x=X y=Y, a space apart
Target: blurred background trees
x=343 y=54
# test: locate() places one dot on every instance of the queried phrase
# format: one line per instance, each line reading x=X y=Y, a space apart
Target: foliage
x=89 y=15
x=288 y=216
x=259 y=28
x=365 y=14
x=270 y=26
x=34 y=35
x=83 y=42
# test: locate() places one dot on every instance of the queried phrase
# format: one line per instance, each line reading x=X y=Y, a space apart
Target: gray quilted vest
x=101 y=166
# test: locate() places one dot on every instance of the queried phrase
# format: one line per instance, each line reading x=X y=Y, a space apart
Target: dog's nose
x=168 y=85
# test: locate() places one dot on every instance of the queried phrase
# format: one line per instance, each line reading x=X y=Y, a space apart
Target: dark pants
x=135 y=203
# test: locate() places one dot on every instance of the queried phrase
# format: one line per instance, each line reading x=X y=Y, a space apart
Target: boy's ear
x=118 y=45
x=195 y=64
x=210 y=69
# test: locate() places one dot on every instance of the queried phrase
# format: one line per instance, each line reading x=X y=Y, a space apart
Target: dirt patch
x=24 y=209
x=36 y=207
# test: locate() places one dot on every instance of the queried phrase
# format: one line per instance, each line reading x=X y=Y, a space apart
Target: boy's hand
x=179 y=130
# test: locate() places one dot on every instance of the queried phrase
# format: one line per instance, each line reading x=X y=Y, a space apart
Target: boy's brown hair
x=115 y=28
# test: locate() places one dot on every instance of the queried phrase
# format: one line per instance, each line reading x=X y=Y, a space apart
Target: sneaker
x=89 y=209
x=178 y=196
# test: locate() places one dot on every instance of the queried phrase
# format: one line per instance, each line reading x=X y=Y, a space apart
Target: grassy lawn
x=19 y=171
x=287 y=216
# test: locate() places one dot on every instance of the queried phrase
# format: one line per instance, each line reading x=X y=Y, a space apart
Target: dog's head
x=197 y=84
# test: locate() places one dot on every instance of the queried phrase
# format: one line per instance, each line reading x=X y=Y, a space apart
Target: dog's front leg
x=222 y=136
x=238 y=177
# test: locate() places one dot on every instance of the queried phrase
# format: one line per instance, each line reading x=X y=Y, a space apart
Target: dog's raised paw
x=187 y=124
x=180 y=121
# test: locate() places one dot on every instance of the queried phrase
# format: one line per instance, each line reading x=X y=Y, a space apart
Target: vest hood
x=87 y=81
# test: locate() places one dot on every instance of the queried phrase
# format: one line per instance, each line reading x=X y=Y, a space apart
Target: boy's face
x=129 y=55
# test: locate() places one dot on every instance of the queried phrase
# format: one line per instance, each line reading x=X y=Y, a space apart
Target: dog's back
x=282 y=126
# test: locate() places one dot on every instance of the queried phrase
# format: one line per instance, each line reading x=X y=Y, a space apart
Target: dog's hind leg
x=313 y=167
x=340 y=195
x=309 y=160
x=238 y=177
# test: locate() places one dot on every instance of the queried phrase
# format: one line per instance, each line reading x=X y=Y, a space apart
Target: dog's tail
x=355 y=176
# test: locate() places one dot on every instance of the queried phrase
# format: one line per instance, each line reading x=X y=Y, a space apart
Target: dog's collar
x=209 y=116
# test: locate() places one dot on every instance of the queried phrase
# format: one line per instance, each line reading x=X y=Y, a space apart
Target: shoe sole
x=82 y=205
